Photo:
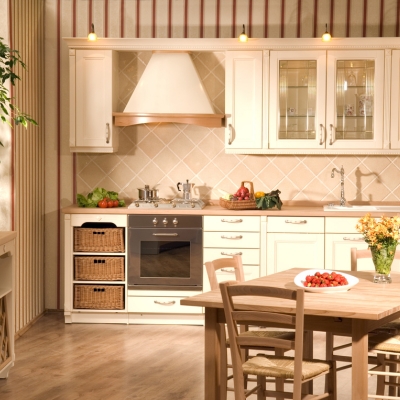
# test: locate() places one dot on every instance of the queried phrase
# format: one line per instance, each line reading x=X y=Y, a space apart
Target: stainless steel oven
x=165 y=252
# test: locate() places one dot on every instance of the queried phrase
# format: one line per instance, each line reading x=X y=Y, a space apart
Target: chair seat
x=393 y=327
x=283 y=367
x=288 y=335
x=384 y=342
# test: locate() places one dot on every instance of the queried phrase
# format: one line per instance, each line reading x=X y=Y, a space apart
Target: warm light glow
x=326 y=37
x=243 y=37
x=92 y=35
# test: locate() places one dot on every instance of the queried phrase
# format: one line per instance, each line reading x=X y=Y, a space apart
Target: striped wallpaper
x=224 y=18
x=171 y=19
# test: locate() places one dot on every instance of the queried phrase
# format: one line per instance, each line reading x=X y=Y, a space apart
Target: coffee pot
x=187 y=189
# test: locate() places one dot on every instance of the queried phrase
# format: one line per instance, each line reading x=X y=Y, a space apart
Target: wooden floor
x=116 y=362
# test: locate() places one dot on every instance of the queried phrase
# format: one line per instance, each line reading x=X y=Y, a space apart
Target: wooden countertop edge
x=315 y=209
x=6 y=236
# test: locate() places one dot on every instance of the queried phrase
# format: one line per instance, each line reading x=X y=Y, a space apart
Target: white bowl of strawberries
x=325 y=281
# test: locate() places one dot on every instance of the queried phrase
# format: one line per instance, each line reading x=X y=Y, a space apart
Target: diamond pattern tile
x=161 y=155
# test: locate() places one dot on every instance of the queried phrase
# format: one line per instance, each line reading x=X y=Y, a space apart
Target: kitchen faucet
x=341 y=172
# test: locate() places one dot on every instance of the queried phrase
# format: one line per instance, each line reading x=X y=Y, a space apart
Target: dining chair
x=294 y=369
x=234 y=265
x=390 y=329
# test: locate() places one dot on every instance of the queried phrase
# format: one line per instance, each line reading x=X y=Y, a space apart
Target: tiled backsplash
x=161 y=155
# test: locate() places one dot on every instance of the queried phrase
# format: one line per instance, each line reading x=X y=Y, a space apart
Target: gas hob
x=165 y=204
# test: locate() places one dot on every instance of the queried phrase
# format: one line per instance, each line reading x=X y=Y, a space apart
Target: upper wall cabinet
x=93 y=86
x=243 y=99
x=395 y=101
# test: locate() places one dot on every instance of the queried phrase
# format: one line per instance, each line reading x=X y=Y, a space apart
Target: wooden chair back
x=365 y=253
x=221 y=263
x=249 y=316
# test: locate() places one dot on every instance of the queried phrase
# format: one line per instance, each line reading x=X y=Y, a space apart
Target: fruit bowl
x=301 y=277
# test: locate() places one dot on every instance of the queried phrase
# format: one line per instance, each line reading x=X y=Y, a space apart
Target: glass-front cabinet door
x=354 y=112
x=298 y=83
x=326 y=99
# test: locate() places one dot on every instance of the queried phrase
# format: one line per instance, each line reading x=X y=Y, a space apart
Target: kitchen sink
x=336 y=207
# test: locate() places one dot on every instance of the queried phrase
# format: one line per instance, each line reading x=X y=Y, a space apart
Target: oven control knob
x=155 y=221
x=136 y=204
x=173 y=205
x=165 y=221
x=155 y=205
x=175 y=221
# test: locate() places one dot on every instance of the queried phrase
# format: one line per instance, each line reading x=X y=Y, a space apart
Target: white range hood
x=169 y=90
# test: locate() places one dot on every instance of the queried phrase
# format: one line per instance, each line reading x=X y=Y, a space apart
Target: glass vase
x=383 y=259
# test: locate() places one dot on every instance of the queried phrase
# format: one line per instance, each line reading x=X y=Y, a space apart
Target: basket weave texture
x=100 y=239
x=240 y=204
x=99 y=268
x=99 y=297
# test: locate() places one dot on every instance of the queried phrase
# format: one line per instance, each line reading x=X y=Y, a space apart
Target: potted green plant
x=8 y=109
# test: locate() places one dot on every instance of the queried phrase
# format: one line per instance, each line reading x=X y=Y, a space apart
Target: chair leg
x=261 y=383
x=380 y=382
x=223 y=363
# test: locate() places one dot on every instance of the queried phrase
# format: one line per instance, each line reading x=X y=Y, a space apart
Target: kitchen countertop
x=289 y=209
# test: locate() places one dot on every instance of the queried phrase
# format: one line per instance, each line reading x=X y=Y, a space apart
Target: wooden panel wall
x=27 y=36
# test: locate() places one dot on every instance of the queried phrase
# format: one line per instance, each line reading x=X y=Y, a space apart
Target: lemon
x=259 y=194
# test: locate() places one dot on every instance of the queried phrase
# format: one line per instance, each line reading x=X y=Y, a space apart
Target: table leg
x=211 y=355
x=359 y=373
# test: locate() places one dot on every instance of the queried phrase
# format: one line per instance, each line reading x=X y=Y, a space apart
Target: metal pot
x=147 y=193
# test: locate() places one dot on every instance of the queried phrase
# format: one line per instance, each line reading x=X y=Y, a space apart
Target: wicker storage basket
x=99 y=268
x=99 y=239
x=99 y=297
x=240 y=204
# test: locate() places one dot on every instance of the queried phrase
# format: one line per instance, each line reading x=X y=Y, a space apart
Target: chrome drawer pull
x=354 y=239
x=231 y=221
x=301 y=221
x=239 y=253
x=165 y=234
x=231 y=237
x=165 y=303
x=231 y=271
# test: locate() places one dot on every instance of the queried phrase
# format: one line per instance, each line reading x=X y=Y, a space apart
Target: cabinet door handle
x=165 y=303
x=231 y=237
x=107 y=133
x=231 y=221
x=300 y=221
x=331 y=135
x=354 y=239
x=224 y=253
x=321 y=129
x=230 y=134
x=230 y=271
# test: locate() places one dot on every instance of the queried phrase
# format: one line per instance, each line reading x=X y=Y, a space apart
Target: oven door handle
x=165 y=234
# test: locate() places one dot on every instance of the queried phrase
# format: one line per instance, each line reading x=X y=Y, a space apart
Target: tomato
x=102 y=204
x=110 y=203
x=116 y=203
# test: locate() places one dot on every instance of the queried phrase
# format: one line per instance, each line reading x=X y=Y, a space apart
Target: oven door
x=165 y=258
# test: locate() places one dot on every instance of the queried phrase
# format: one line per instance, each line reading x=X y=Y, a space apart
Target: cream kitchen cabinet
x=224 y=236
x=244 y=101
x=93 y=97
x=395 y=101
x=327 y=100
x=294 y=242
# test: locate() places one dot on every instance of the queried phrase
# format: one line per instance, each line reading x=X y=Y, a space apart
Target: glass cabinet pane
x=355 y=99
x=297 y=99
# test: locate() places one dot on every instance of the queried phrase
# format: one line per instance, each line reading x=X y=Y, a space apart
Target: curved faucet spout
x=341 y=172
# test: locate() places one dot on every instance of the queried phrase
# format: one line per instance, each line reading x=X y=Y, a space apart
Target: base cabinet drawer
x=160 y=305
x=232 y=239
x=249 y=256
x=234 y=223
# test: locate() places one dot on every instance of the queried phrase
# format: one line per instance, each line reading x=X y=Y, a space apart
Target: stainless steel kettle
x=187 y=189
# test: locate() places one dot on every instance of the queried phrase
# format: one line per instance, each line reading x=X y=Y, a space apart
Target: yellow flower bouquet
x=382 y=238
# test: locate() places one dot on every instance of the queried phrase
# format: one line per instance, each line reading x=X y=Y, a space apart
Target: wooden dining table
x=352 y=313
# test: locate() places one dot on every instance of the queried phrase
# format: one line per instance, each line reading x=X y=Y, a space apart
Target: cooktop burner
x=196 y=204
